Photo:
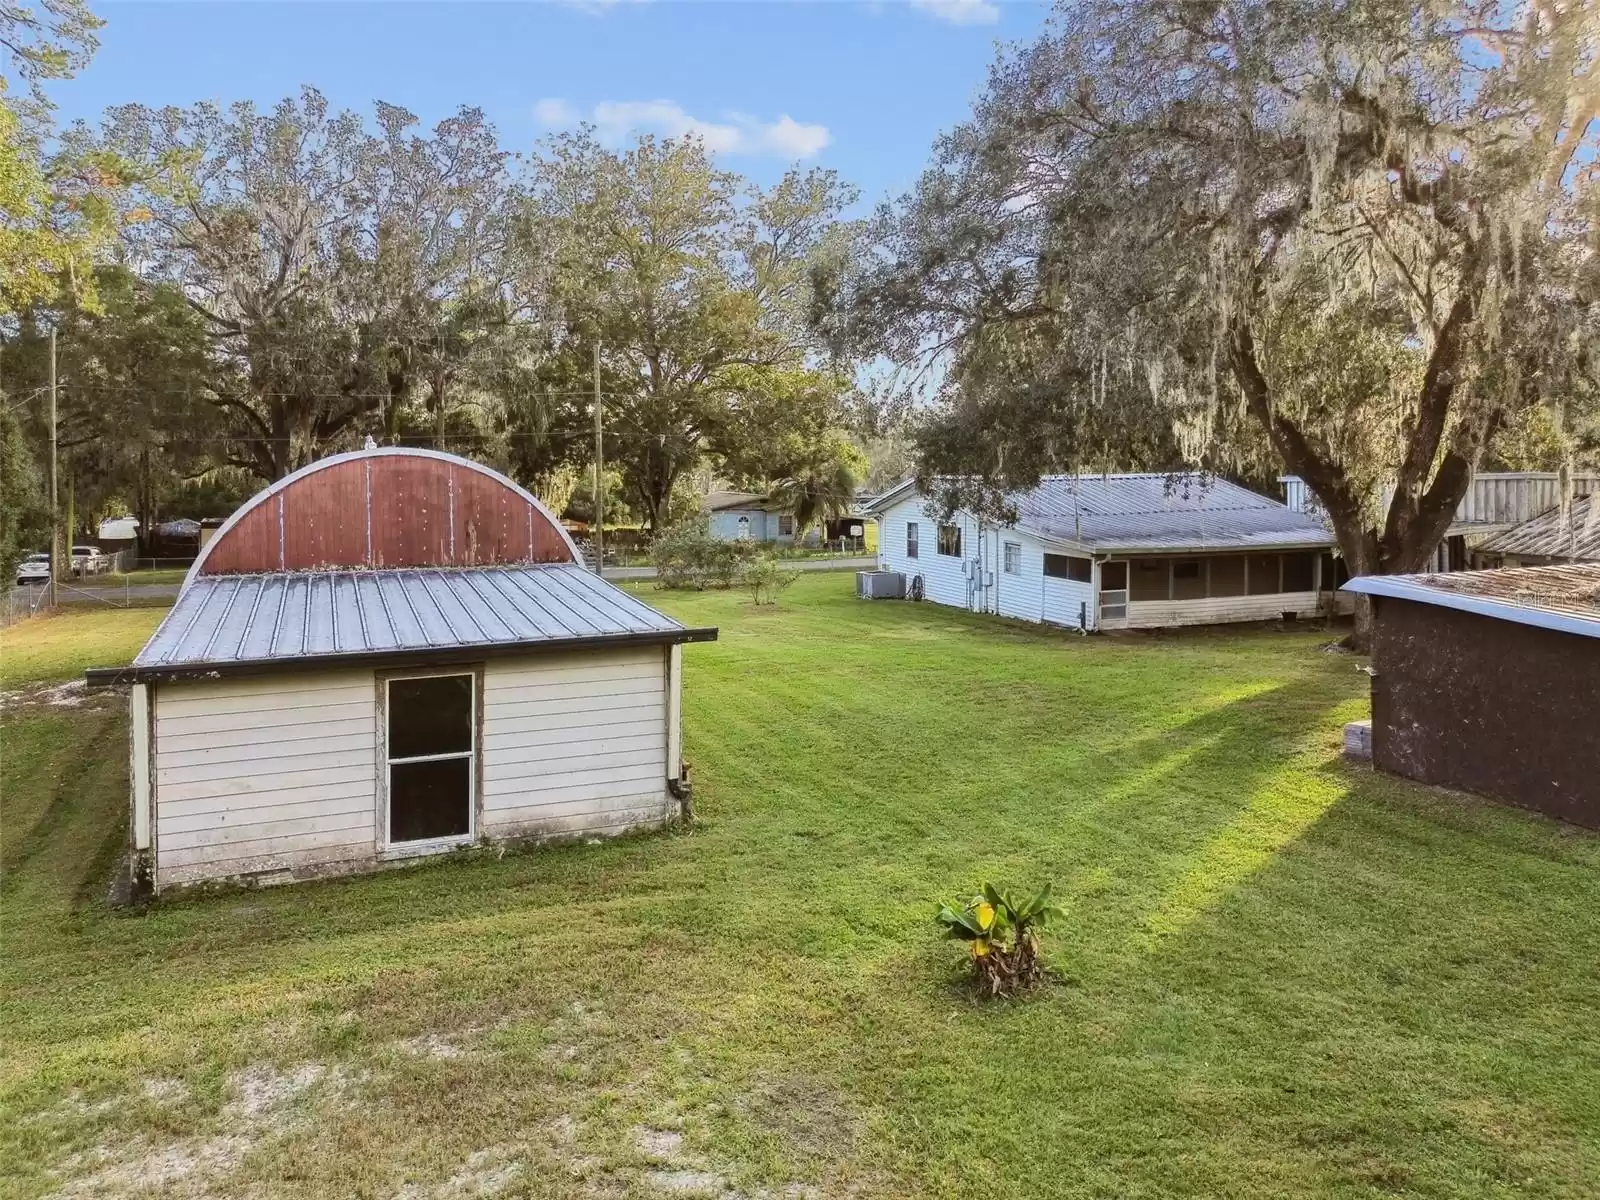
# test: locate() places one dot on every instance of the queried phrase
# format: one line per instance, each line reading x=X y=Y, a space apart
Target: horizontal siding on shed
x=575 y=744
x=264 y=773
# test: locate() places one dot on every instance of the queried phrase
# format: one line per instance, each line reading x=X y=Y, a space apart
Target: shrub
x=1003 y=937
x=689 y=557
x=765 y=577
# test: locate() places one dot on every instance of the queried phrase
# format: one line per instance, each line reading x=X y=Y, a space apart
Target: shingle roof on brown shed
x=1564 y=597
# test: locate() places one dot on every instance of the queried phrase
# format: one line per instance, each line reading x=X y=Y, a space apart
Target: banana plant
x=1002 y=935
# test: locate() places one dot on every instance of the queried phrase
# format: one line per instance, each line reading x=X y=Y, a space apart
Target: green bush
x=766 y=577
x=689 y=557
x=1002 y=936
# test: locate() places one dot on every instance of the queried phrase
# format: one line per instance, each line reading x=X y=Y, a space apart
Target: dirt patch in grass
x=264 y=1105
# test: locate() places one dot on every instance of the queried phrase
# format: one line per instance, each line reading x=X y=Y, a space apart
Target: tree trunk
x=1360 y=639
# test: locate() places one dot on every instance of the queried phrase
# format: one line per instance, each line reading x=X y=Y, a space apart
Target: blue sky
x=860 y=87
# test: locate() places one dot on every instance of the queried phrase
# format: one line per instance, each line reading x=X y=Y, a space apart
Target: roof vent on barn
x=387 y=508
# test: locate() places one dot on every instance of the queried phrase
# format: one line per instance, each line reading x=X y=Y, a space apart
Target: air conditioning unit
x=880 y=585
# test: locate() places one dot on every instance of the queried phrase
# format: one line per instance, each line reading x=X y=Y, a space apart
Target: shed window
x=911 y=539
x=1149 y=579
x=1013 y=558
x=950 y=540
x=430 y=749
x=785 y=524
x=1299 y=572
x=1263 y=574
x=1068 y=566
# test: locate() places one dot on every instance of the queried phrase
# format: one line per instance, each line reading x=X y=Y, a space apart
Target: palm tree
x=822 y=488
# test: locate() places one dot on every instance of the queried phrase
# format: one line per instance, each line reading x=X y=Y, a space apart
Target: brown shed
x=1489 y=681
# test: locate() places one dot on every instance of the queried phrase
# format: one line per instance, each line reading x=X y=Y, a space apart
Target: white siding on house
x=575 y=743
x=1021 y=595
x=1031 y=595
x=945 y=579
x=264 y=774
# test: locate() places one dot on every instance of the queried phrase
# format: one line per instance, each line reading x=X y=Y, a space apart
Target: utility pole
x=599 y=476
x=55 y=507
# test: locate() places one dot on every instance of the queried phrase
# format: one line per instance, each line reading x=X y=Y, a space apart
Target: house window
x=1068 y=566
x=911 y=539
x=785 y=525
x=1188 y=579
x=430 y=750
x=1013 y=558
x=950 y=540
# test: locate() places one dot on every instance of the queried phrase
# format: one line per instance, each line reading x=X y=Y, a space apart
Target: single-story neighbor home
x=1495 y=502
x=1556 y=536
x=387 y=654
x=1115 y=552
x=1489 y=681
x=746 y=516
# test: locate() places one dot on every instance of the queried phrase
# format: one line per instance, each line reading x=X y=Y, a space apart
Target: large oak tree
x=1349 y=239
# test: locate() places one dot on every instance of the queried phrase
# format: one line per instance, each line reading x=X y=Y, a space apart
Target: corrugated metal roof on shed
x=1575 y=534
x=295 y=618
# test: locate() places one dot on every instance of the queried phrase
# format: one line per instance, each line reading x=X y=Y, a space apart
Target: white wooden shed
x=388 y=654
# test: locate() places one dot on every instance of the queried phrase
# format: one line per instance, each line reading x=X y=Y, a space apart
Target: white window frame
x=913 y=540
x=785 y=519
x=1012 y=558
x=390 y=847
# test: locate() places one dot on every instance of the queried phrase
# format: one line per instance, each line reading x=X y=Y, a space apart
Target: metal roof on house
x=1152 y=513
x=723 y=501
x=1574 y=534
x=235 y=624
x=1564 y=598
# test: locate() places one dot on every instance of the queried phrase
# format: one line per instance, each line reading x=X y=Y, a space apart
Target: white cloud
x=960 y=12
x=553 y=114
x=735 y=133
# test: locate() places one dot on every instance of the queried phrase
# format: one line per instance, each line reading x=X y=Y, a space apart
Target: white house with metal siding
x=339 y=715
x=1115 y=552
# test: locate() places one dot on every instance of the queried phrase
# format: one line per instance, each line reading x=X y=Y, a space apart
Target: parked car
x=33 y=569
x=87 y=560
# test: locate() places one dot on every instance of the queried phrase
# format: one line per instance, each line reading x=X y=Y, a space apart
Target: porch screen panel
x=1263 y=574
x=1227 y=575
x=1149 y=579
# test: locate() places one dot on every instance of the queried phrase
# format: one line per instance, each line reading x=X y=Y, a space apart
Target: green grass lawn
x=62 y=645
x=1279 y=976
x=133 y=578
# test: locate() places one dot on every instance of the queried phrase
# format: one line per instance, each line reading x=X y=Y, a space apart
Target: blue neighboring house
x=745 y=516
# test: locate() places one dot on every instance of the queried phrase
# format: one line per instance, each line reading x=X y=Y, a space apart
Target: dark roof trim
x=114 y=676
x=1402 y=587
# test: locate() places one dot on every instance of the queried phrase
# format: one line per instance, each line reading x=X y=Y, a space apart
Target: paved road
x=145 y=592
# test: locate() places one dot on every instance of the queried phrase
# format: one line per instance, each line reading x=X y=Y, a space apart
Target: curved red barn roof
x=387 y=508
